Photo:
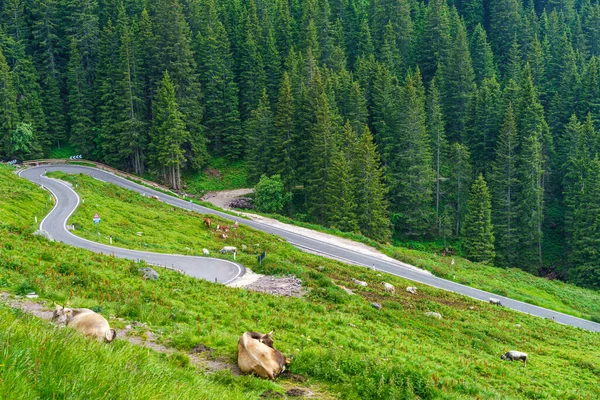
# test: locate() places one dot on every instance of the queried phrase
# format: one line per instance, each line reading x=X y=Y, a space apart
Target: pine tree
x=460 y=175
x=340 y=194
x=505 y=189
x=323 y=133
x=478 y=231
x=82 y=133
x=172 y=36
x=504 y=26
x=435 y=40
x=412 y=170
x=435 y=127
x=484 y=124
x=168 y=134
x=252 y=73
x=130 y=104
x=282 y=149
x=457 y=85
x=260 y=136
x=482 y=55
x=220 y=90
x=372 y=206
x=9 y=116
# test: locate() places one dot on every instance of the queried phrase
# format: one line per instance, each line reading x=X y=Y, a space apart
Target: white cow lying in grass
x=85 y=321
x=515 y=355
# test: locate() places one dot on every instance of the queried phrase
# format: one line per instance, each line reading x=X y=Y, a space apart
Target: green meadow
x=340 y=343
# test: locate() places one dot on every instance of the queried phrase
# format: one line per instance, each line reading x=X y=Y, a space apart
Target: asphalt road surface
x=56 y=220
x=212 y=269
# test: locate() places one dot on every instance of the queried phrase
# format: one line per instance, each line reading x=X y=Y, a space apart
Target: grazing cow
x=256 y=355
x=359 y=283
x=223 y=236
x=207 y=222
x=86 y=321
x=389 y=288
x=411 y=289
x=433 y=314
x=228 y=249
x=496 y=302
x=154 y=197
x=223 y=228
x=235 y=225
x=515 y=355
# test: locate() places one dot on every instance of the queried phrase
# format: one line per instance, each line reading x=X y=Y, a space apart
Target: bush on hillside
x=270 y=195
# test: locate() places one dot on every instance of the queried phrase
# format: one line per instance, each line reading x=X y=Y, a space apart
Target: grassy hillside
x=340 y=342
x=39 y=361
x=125 y=213
x=220 y=174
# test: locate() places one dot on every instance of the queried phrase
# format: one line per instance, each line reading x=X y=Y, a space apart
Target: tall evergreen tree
x=457 y=85
x=9 y=116
x=220 y=90
x=435 y=127
x=168 y=134
x=282 y=149
x=81 y=128
x=459 y=180
x=372 y=206
x=260 y=136
x=412 y=172
x=505 y=189
x=340 y=193
x=478 y=231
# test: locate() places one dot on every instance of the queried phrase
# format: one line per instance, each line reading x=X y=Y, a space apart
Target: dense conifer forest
x=462 y=119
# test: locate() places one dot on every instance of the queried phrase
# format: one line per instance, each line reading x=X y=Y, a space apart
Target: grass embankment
x=220 y=174
x=340 y=342
x=39 y=361
x=510 y=282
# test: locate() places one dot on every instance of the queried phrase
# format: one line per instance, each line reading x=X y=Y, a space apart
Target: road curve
x=301 y=241
x=67 y=200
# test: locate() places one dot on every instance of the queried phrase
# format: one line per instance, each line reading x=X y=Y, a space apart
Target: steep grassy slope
x=125 y=213
x=338 y=340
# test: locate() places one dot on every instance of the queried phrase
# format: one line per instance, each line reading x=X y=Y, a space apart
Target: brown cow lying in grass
x=256 y=355
x=85 y=321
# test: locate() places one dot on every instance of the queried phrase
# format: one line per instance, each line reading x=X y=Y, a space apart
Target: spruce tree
x=81 y=128
x=323 y=136
x=435 y=39
x=457 y=85
x=168 y=134
x=504 y=26
x=484 y=124
x=478 y=231
x=260 y=136
x=372 y=206
x=340 y=194
x=282 y=149
x=460 y=175
x=505 y=189
x=220 y=90
x=435 y=127
x=9 y=116
x=412 y=169
x=482 y=55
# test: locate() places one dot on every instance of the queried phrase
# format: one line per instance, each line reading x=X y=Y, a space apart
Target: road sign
x=96 y=218
x=262 y=257
x=77 y=157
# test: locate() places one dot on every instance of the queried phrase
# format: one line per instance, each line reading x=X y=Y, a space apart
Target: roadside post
x=261 y=257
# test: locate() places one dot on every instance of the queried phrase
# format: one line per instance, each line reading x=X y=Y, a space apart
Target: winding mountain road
x=67 y=201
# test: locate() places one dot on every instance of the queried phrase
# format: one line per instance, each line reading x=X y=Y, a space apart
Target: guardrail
x=104 y=167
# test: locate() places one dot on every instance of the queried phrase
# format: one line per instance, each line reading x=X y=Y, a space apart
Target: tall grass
x=340 y=342
x=40 y=361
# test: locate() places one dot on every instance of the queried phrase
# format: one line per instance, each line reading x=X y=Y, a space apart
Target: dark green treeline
x=379 y=114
